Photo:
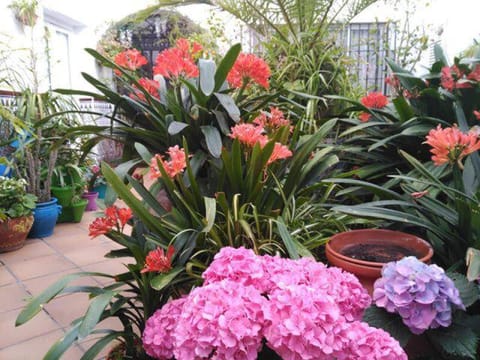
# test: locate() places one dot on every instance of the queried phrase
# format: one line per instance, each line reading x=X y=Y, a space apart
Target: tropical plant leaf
x=176 y=127
x=225 y=65
x=229 y=105
x=95 y=349
x=391 y=323
x=94 y=313
x=469 y=291
x=160 y=281
x=213 y=139
x=207 y=76
x=456 y=340
x=62 y=345
x=210 y=213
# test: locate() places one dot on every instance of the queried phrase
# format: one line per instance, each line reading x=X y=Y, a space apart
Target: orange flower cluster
x=149 y=85
x=158 y=261
x=130 y=59
x=178 y=61
x=450 y=145
x=454 y=78
x=251 y=134
x=273 y=120
x=373 y=100
x=114 y=217
x=249 y=68
x=175 y=166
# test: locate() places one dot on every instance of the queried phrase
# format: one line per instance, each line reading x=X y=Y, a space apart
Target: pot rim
x=426 y=255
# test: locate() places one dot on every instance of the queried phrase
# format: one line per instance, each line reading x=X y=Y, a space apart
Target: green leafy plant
x=25 y=11
x=14 y=200
x=438 y=200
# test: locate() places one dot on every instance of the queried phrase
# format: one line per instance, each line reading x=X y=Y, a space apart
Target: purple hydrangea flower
x=423 y=295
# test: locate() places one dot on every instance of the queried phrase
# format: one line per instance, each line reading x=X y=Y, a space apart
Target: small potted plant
x=16 y=213
x=94 y=181
x=25 y=11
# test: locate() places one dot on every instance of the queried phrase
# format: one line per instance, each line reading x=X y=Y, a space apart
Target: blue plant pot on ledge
x=45 y=218
x=101 y=189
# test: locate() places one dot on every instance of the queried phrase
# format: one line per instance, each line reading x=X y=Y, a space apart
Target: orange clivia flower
x=175 y=166
x=130 y=59
x=100 y=226
x=249 y=134
x=158 y=261
x=475 y=74
x=114 y=217
x=188 y=50
x=450 y=145
x=149 y=85
x=452 y=78
x=178 y=61
x=477 y=114
x=280 y=152
x=249 y=68
x=364 y=116
x=374 y=100
x=123 y=215
x=274 y=120
x=419 y=194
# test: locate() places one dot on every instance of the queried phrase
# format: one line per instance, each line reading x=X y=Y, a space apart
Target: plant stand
x=91 y=196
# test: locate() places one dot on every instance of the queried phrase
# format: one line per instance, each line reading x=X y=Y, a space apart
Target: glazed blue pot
x=101 y=189
x=5 y=170
x=45 y=218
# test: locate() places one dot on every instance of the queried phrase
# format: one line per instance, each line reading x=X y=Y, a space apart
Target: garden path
x=28 y=271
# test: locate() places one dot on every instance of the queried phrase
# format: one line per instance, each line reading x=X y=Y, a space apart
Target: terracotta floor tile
x=67 y=308
x=37 y=347
x=16 y=298
x=11 y=335
x=87 y=255
x=33 y=248
x=5 y=276
x=40 y=266
x=110 y=266
x=70 y=242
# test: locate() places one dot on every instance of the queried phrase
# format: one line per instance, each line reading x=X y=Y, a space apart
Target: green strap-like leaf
x=210 y=212
x=225 y=65
x=62 y=345
x=95 y=349
x=162 y=280
x=94 y=313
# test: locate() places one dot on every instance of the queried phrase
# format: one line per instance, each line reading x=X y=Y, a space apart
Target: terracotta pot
x=369 y=271
x=13 y=232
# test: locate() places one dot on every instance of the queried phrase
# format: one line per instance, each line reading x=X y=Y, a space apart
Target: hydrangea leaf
x=391 y=323
x=469 y=292
x=456 y=340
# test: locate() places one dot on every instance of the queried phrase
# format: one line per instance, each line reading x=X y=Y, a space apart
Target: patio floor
x=28 y=271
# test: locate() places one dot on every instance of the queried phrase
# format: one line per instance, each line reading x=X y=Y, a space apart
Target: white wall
x=454 y=23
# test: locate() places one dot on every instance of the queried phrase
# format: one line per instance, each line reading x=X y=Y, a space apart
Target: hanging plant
x=25 y=11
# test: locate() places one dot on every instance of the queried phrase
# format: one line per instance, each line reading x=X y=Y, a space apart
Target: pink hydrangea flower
x=222 y=320
x=363 y=342
x=157 y=337
x=302 y=323
x=240 y=265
